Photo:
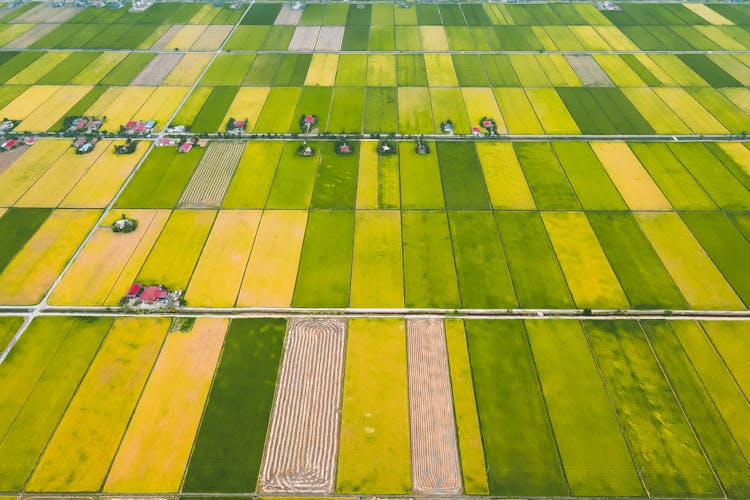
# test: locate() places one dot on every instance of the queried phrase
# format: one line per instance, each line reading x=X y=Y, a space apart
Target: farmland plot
x=159 y=67
x=18 y=177
x=435 y=465
x=300 y=453
x=212 y=176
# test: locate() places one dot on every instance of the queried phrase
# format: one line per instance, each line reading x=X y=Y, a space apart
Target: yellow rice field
x=433 y=38
x=92 y=276
x=98 y=69
x=618 y=70
x=161 y=105
x=50 y=189
x=381 y=70
x=272 y=269
x=25 y=104
x=740 y=97
x=173 y=258
x=31 y=272
x=558 y=70
x=530 y=73
x=591 y=280
x=700 y=282
x=517 y=111
x=38 y=68
x=322 y=70
x=541 y=34
x=367 y=177
x=44 y=117
x=102 y=181
x=693 y=114
x=467 y=421
x=655 y=111
x=506 y=183
x=739 y=153
x=636 y=186
x=655 y=69
x=186 y=37
x=187 y=70
x=84 y=444
x=154 y=452
x=17 y=179
x=616 y=38
x=440 y=71
x=551 y=112
x=218 y=275
x=124 y=103
x=733 y=66
x=412 y=102
x=133 y=264
x=2 y=211
x=13 y=31
x=590 y=38
x=480 y=102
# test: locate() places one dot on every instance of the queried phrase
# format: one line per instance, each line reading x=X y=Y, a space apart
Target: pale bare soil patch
x=304 y=38
x=25 y=39
x=434 y=455
x=589 y=71
x=288 y=16
x=45 y=13
x=212 y=176
x=158 y=69
x=330 y=39
x=300 y=453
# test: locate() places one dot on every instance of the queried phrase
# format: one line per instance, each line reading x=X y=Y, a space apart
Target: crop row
x=140 y=405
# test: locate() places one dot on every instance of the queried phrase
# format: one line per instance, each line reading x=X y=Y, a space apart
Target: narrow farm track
x=435 y=466
x=300 y=452
x=212 y=176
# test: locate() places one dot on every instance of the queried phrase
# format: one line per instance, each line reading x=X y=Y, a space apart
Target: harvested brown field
x=589 y=71
x=304 y=38
x=212 y=37
x=166 y=37
x=158 y=69
x=300 y=453
x=288 y=16
x=27 y=38
x=212 y=176
x=435 y=466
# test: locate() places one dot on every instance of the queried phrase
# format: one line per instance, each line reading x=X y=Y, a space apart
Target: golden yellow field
x=590 y=38
x=558 y=70
x=154 y=452
x=702 y=285
x=322 y=70
x=120 y=104
x=186 y=37
x=32 y=271
x=740 y=97
x=618 y=70
x=656 y=70
x=433 y=38
x=739 y=153
x=25 y=104
x=174 y=255
x=708 y=14
x=591 y=280
x=17 y=179
x=637 y=188
x=381 y=70
x=517 y=111
x=440 y=71
x=616 y=38
x=218 y=275
x=248 y=103
x=367 y=178
x=102 y=181
x=161 y=105
x=84 y=444
x=272 y=269
x=187 y=70
x=506 y=183
x=91 y=278
x=128 y=274
x=480 y=102
x=50 y=189
x=551 y=111
x=44 y=117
